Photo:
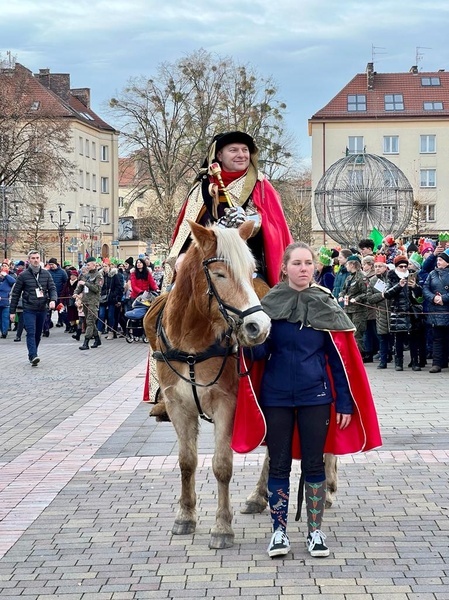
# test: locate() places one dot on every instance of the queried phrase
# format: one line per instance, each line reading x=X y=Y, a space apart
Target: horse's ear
x=203 y=236
x=246 y=229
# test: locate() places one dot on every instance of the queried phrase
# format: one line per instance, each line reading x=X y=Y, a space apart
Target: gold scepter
x=215 y=171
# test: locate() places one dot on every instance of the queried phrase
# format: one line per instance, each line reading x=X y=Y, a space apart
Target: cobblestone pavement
x=88 y=486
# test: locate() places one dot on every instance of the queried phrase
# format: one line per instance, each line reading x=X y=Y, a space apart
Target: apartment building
x=82 y=217
x=403 y=117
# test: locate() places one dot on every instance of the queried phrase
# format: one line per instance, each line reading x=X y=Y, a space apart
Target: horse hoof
x=252 y=507
x=219 y=541
x=183 y=527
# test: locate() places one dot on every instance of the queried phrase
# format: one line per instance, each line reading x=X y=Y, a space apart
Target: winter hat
x=130 y=261
x=91 y=259
x=73 y=272
x=412 y=247
x=53 y=261
x=380 y=258
x=66 y=263
x=390 y=241
x=416 y=260
x=400 y=260
x=444 y=255
x=325 y=256
x=354 y=257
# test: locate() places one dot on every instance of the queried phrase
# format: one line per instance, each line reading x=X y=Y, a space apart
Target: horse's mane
x=233 y=249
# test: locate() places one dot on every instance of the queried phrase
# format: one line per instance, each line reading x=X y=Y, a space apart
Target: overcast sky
x=311 y=48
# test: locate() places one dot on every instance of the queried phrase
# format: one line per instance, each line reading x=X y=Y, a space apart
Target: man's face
x=91 y=266
x=53 y=266
x=380 y=268
x=34 y=259
x=234 y=157
x=365 y=251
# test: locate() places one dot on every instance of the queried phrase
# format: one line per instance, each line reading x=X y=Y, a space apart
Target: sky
x=311 y=48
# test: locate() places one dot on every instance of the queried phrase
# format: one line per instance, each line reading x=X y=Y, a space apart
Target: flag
x=377 y=237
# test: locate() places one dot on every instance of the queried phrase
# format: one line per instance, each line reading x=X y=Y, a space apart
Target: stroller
x=134 y=317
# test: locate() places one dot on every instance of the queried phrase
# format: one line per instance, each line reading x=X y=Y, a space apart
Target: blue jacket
x=437 y=281
x=295 y=370
x=60 y=278
x=339 y=281
x=6 y=283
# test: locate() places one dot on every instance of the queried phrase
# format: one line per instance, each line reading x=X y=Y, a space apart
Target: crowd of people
x=90 y=299
x=397 y=296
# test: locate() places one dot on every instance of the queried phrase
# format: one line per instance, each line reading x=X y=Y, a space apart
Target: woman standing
x=353 y=297
x=141 y=280
x=307 y=362
x=436 y=292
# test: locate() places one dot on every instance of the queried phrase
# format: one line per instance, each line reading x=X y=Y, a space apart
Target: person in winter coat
x=7 y=282
x=342 y=273
x=89 y=285
x=436 y=292
x=405 y=316
x=304 y=375
x=141 y=280
x=353 y=297
x=69 y=301
x=375 y=298
x=370 y=339
x=110 y=301
x=60 y=278
x=38 y=291
x=324 y=274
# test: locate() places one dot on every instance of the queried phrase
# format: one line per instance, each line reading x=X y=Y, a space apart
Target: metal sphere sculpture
x=359 y=193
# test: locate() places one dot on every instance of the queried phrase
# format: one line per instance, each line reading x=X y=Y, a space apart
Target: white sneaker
x=315 y=544
x=279 y=544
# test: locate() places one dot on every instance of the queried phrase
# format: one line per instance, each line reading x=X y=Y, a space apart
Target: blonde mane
x=233 y=249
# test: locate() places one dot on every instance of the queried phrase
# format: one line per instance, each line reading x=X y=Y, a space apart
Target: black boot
x=367 y=358
x=77 y=335
x=415 y=365
x=399 y=364
x=85 y=345
x=97 y=341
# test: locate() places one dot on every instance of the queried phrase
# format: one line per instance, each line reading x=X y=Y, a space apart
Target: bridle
x=224 y=347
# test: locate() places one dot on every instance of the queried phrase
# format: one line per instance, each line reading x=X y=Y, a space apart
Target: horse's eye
x=221 y=274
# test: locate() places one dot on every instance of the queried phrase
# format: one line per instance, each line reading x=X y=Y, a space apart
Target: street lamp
x=92 y=224
x=7 y=215
x=61 y=225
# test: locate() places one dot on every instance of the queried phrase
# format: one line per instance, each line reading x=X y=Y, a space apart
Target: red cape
x=361 y=435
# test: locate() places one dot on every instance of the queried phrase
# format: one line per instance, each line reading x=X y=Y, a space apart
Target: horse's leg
x=222 y=534
x=330 y=466
x=186 y=427
x=258 y=499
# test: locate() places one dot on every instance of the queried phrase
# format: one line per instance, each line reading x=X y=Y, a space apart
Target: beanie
x=53 y=261
x=354 y=257
x=444 y=255
x=130 y=261
x=400 y=260
x=91 y=259
x=412 y=247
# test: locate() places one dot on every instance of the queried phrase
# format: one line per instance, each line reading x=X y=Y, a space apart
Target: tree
x=296 y=199
x=34 y=141
x=168 y=121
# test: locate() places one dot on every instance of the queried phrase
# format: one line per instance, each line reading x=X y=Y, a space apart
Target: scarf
x=314 y=307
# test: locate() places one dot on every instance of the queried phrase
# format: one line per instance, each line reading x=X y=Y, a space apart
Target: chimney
x=414 y=70
x=59 y=83
x=370 y=76
x=83 y=95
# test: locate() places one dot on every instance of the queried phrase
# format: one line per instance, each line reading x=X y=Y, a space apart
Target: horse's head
x=227 y=274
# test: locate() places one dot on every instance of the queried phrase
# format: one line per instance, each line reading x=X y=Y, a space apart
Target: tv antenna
x=374 y=52
x=420 y=55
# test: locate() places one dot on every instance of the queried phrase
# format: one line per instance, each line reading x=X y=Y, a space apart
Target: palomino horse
x=210 y=310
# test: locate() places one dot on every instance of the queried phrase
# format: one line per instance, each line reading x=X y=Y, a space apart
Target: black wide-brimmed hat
x=233 y=137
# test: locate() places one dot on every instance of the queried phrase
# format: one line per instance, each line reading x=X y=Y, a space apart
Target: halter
x=169 y=354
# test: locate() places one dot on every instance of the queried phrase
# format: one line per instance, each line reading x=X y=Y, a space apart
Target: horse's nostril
x=252 y=330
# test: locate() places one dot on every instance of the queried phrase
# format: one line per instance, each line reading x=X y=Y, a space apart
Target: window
x=355 y=177
x=104 y=153
x=94 y=150
x=87 y=181
x=87 y=153
x=428 y=178
x=35 y=105
x=81 y=145
x=94 y=182
x=355 y=144
x=105 y=185
x=430 y=81
x=427 y=144
x=356 y=102
x=391 y=178
x=105 y=216
x=430 y=212
x=394 y=102
x=433 y=106
x=391 y=144
x=120 y=201
x=81 y=178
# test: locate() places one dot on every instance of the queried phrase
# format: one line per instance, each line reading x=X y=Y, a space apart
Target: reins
x=169 y=354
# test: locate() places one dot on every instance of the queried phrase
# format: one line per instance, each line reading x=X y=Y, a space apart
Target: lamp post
x=7 y=215
x=61 y=225
x=92 y=224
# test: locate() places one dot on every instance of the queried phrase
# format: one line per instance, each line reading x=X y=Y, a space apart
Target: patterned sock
x=278 y=495
x=315 y=493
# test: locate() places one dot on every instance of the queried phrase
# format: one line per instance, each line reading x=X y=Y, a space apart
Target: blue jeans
x=4 y=312
x=106 y=312
x=33 y=322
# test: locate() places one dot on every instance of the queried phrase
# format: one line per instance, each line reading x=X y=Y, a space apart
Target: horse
x=211 y=309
